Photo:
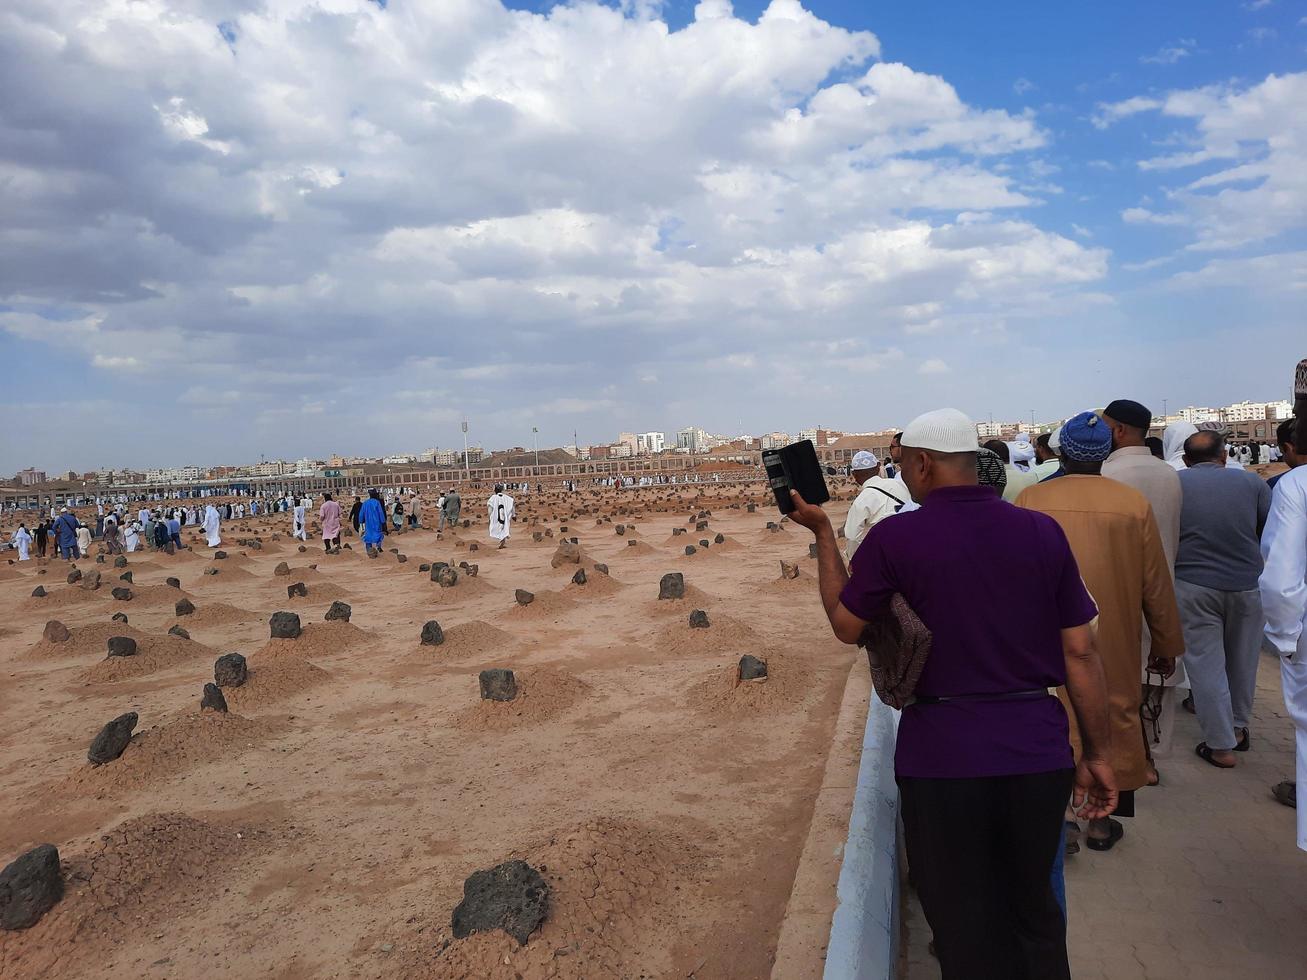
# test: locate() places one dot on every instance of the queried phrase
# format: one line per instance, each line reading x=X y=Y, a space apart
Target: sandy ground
x=325 y=826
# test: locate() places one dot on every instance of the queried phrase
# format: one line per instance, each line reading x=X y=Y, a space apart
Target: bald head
x=1204 y=446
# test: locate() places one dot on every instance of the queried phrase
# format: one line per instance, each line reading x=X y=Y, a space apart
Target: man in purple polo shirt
x=983 y=759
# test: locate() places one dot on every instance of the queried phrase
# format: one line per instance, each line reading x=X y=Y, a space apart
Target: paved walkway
x=1207 y=882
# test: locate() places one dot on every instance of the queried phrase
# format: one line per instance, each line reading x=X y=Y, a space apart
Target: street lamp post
x=467 y=466
x=535 y=441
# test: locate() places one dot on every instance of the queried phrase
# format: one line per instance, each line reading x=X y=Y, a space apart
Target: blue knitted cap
x=1086 y=438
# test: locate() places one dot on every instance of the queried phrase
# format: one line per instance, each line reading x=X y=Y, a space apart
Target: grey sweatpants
x=1222 y=636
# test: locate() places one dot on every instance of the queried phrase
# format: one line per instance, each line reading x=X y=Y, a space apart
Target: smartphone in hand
x=795 y=467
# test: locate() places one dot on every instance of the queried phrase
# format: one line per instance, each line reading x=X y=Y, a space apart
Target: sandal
x=1114 y=833
x=1072 y=831
x=1243 y=740
x=1204 y=752
x=1286 y=793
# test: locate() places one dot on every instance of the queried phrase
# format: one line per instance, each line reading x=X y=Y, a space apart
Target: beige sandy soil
x=325 y=826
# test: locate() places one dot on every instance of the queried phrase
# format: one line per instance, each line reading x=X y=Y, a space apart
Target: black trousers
x=981 y=852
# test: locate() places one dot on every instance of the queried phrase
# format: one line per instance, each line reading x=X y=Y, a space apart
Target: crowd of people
x=1149 y=575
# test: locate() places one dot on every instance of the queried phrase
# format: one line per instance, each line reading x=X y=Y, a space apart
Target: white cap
x=1055 y=440
x=945 y=430
x=864 y=460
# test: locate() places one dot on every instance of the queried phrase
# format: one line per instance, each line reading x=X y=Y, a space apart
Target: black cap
x=1130 y=413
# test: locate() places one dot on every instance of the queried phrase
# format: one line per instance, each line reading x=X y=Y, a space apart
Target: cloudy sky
x=286 y=227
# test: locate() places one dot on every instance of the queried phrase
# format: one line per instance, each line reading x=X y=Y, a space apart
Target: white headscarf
x=1173 y=442
x=1020 y=454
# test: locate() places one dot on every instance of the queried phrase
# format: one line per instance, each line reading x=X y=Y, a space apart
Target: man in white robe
x=299 y=530
x=500 y=506
x=212 y=525
x=22 y=541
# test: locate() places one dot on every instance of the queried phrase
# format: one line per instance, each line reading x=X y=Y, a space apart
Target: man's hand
x=808 y=515
x=1095 y=795
x=1165 y=666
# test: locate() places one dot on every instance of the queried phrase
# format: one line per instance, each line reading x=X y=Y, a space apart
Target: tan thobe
x=1159 y=481
x=1115 y=539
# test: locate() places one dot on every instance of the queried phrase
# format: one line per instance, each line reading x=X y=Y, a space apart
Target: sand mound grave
x=542 y=693
x=468 y=586
x=317 y=640
x=226 y=575
x=597 y=586
x=618 y=906
x=153 y=653
x=723 y=634
x=87 y=642
x=545 y=605
x=155 y=595
x=320 y=593
x=723 y=693
x=695 y=598
x=142 y=873
x=637 y=550
x=779 y=585
x=219 y=614
x=180 y=744
x=476 y=638
x=274 y=680
x=60 y=596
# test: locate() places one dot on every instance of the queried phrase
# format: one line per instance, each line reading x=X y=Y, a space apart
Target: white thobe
x=880 y=498
x=22 y=541
x=1284 y=604
x=298 y=524
x=212 y=524
x=501 y=516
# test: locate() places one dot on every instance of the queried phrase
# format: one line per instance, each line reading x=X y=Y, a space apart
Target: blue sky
x=338 y=226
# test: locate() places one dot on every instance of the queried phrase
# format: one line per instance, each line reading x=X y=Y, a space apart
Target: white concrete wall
x=864 y=935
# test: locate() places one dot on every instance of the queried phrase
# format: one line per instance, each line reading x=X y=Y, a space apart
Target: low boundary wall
x=864 y=934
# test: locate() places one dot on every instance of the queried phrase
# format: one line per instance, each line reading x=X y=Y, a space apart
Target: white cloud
x=933 y=366
x=1169 y=54
x=329 y=193
x=116 y=362
x=1111 y=112
x=1257 y=137
x=1023 y=85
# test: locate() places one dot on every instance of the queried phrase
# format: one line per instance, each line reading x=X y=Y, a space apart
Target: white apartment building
x=649 y=443
x=991 y=430
x=692 y=439
x=775 y=440
x=1257 y=411
x=306 y=467
x=174 y=474
x=447 y=458
x=1193 y=415
x=400 y=459
x=620 y=450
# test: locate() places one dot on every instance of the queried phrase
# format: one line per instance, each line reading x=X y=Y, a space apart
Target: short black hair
x=1204 y=446
x=999 y=448
x=1042 y=440
x=1155 y=447
x=1285 y=431
x=896 y=439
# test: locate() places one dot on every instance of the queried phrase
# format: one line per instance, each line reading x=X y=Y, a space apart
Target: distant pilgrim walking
x=500 y=506
x=212 y=525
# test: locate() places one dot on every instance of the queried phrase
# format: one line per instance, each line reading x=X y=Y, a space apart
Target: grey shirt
x=1221 y=520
